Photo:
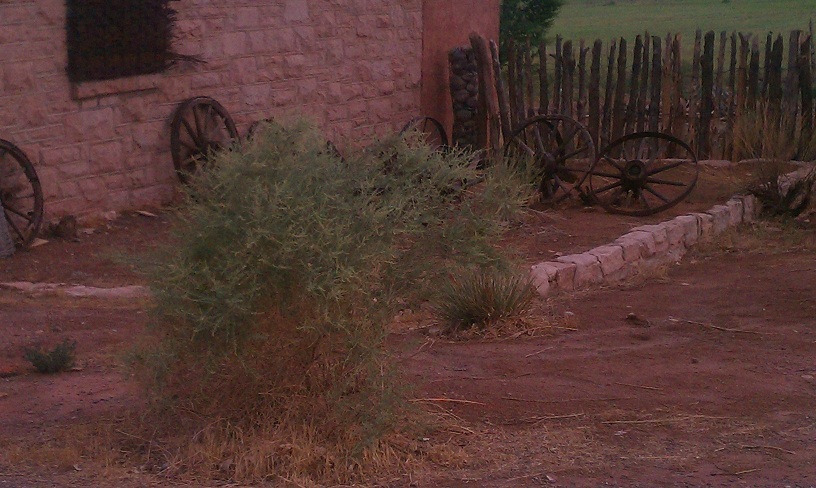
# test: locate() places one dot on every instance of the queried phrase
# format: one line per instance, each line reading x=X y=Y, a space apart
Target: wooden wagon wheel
x=643 y=173
x=558 y=148
x=20 y=193
x=432 y=132
x=200 y=127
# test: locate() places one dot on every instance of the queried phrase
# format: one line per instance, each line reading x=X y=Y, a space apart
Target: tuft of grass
x=479 y=298
x=775 y=139
x=60 y=358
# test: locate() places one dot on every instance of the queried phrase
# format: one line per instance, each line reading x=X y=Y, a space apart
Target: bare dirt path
x=709 y=381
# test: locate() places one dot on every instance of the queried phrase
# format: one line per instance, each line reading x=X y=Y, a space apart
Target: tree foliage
x=527 y=19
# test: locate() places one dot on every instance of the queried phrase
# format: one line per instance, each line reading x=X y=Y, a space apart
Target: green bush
x=60 y=358
x=479 y=298
x=287 y=265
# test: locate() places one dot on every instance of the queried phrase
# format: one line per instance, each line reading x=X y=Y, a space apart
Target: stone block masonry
x=645 y=246
x=351 y=66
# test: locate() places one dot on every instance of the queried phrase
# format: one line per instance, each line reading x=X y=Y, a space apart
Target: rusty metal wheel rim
x=433 y=132
x=558 y=149
x=643 y=173
x=20 y=193
x=201 y=126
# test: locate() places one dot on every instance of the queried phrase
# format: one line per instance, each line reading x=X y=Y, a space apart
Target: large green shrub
x=287 y=265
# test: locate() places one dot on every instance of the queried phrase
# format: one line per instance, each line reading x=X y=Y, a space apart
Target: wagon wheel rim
x=21 y=194
x=201 y=127
x=429 y=130
x=557 y=149
x=643 y=173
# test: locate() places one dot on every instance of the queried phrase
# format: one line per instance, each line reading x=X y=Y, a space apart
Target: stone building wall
x=352 y=66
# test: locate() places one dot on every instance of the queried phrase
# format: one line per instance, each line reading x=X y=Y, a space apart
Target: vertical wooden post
x=594 y=93
x=501 y=93
x=775 y=75
x=609 y=90
x=668 y=87
x=706 y=101
x=631 y=108
x=654 y=105
x=767 y=65
x=719 y=92
x=792 y=81
x=618 y=109
x=732 y=97
x=694 y=95
x=487 y=95
x=544 y=89
x=679 y=118
x=521 y=73
x=568 y=79
x=742 y=73
x=528 y=77
x=559 y=71
x=806 y=89
x=512 y=83
x=643 y=98
x=580 y=105
x=753 y=75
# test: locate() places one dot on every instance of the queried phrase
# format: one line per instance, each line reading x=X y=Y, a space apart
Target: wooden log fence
x=643 y=85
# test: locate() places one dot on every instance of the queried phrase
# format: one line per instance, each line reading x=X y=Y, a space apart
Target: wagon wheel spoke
x=608 y=187
x=656 y=193
x=613 y=163
x=192 y=133
x=645 y=201
x=667 y=167
x=659 y=181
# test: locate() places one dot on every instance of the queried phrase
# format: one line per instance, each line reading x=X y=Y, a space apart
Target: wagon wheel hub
x=634 y=173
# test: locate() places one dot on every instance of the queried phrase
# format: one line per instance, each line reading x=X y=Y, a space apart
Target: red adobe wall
x=447 y=24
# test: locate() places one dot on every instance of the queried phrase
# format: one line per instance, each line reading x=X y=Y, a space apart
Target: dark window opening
x=110 y=39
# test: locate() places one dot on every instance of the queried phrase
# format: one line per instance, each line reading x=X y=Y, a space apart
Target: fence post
x=706 y=102
x=559 y=71
x=654 y=104
x=631 y=108
x=544 y=93
x=644 y=84
x=594 y=93
x=528 y=77
x=488 y=120
x=792 y=82
x=512 y=83
x=753 y=75
x=501 y=93
x=806 y=89
x=580 y=105
x=568 y=66
x=775 y=75
x=766 y=72
x=608 y=92
x=620 y=93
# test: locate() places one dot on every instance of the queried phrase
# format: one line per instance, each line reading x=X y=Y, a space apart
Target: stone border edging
x=641 y=248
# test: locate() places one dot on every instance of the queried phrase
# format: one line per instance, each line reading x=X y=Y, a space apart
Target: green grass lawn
x=607 y=19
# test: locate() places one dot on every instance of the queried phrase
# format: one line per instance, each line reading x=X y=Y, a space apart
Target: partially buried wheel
x=643 y=173
x=558 y=149
x=20 y=194
x=201 y=126
x=430 y=131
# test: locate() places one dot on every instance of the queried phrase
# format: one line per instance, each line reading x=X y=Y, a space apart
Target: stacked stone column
x=464 y=86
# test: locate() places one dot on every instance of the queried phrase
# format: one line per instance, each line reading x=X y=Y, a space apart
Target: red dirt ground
x=711 y=381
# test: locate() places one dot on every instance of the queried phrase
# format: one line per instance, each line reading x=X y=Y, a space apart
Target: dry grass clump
x=481 y=297
x=776 y=139
x=287 y=265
